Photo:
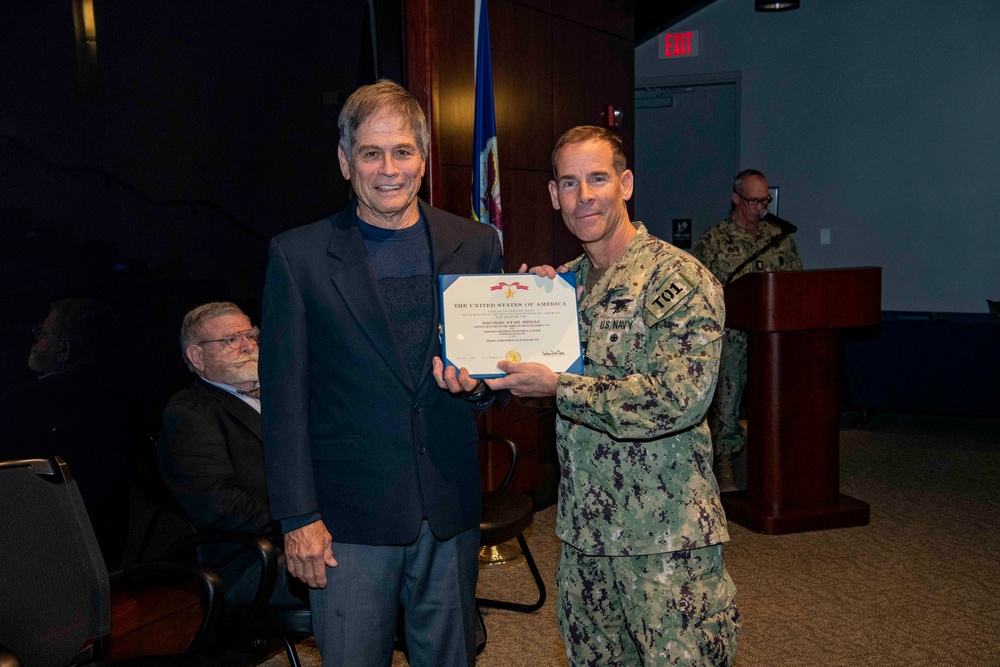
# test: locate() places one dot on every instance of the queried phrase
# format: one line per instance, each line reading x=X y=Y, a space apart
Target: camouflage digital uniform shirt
x=634 y=447
x=725 y=246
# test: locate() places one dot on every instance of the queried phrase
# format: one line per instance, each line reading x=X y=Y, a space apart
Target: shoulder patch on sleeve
x=671 y=292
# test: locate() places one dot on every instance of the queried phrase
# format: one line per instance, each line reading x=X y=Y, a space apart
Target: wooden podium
x=793 y=321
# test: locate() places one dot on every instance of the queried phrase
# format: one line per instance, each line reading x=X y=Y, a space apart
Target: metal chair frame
x=513 y=527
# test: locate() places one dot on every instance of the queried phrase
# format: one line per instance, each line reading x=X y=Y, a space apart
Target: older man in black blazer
x=373 y=469
x=209 y=451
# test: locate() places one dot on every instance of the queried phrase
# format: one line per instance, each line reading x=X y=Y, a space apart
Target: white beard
x=233 y=372
x=244 y=373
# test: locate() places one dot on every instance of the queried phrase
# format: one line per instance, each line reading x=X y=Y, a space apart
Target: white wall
x=879 y=120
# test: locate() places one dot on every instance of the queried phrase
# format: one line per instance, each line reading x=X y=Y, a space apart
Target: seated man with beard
x=209 y=452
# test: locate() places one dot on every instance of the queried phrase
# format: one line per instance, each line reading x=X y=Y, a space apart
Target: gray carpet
x=918 y=586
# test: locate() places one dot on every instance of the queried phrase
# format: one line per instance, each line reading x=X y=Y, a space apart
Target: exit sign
x=679 y=44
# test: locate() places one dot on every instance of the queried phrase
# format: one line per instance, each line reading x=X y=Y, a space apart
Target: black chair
x=506 y=515
x=55 y=609
x=155 y=494
x=253 y=624
x=249 y=626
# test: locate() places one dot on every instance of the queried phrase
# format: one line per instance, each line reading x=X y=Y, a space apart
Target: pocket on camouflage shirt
x=620 y=350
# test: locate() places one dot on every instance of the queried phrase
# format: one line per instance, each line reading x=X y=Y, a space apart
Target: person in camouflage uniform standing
x=724 y=249
x=641 y=577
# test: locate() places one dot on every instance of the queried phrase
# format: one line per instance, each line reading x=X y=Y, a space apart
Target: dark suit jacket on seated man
x=373 y=469
x=210 y=454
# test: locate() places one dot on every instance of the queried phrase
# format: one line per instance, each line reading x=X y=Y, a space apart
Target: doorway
x=686 y=152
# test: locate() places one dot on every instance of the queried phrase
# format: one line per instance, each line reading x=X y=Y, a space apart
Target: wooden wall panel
x=565 y=246
x=457 y=186
x=421 y=80
x=456 y=83
x=586 y=90
x=554 y=66
x=541 y=5
x=521 y=40
x=522 y=94
x=615 y=17
x=527 y=211
x=527 y=214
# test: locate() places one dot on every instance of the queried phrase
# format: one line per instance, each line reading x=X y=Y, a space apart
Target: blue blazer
x=347 y=432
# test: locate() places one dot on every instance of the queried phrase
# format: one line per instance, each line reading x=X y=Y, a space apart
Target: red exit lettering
x=677 y=44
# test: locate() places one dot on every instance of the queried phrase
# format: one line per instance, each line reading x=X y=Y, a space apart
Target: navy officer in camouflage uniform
x=641 y=577
x=725 y=249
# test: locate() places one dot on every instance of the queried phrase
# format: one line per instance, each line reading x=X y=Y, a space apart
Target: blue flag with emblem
x=485 y=164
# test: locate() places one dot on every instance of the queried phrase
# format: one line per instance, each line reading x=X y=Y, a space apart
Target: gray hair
x=742 y=177
x=195 y=319
x=738 y=184
x=383 y=96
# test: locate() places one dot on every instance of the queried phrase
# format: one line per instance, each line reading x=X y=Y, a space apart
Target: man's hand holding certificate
x=512 y=317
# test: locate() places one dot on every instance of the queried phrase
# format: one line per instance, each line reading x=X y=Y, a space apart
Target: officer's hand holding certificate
x=518 y=317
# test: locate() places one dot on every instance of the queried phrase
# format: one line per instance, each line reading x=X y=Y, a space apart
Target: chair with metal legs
x=506 y=515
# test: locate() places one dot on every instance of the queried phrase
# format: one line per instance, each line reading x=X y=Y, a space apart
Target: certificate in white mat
x=518 y=317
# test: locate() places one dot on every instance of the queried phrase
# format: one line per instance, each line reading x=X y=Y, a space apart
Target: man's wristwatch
x=478 y=392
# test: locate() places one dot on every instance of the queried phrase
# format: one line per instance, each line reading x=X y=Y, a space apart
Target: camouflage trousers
x=674 y=608
x=728 y=435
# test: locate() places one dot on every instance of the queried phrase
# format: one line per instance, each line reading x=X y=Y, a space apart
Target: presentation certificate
x=517 y=317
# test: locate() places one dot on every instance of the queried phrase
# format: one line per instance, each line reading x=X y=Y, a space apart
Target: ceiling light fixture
x=775 y=5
